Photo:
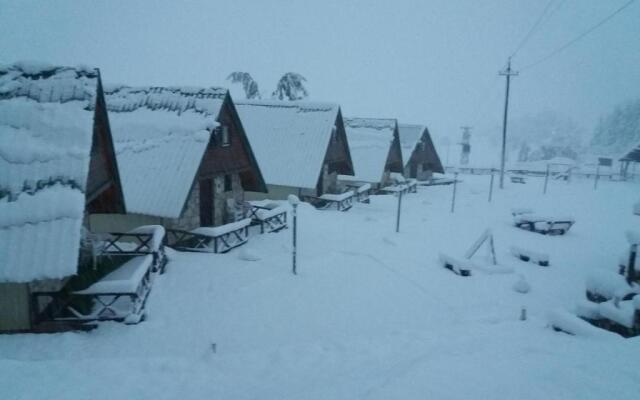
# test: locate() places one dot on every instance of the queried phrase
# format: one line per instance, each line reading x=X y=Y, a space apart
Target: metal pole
x=295 y=237
x=491 y=186
x=455 y=184
x=508 y=73
x=546 y=180
x=595 y=183
x=398 y=214
x=631 y=267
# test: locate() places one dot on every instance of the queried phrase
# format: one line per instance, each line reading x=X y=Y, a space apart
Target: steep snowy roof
x=289 y=139
x=632 y=155
x=410 y=135
x=160 y=135
x=369 y=141
x=46 y=130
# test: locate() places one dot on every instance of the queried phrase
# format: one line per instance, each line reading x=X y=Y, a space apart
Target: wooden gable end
x=433 y=159
x=234 y=157
x=338 y=156
x=104 y=192
x=394 y=157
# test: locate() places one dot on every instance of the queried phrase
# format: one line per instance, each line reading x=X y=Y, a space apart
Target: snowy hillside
x=371 y=314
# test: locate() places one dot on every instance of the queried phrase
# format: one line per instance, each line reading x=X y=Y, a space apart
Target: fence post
x=546 y=180
x=398 y=213
x=491 y=186
x=595 y=183
x=453 y=198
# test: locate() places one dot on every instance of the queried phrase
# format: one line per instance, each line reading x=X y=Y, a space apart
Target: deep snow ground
x=370 y=315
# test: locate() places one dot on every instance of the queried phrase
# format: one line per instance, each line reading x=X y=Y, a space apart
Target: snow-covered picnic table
x=146 y=239
x=269 y=215
x=543 y=224
x=218 y=239
x=342 y=201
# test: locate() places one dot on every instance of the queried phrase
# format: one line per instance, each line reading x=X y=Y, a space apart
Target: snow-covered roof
x=369 y=141
x=289 y=139
x=160 y=135
x=410 y=135
x=632 y=154
x=46 y=130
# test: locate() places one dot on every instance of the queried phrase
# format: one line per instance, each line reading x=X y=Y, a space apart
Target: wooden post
x=491 y=186
x=595 y=182
x=295 y=237
x=398 y=213
x=546 y=180
x=631 y=267
x=453 y=198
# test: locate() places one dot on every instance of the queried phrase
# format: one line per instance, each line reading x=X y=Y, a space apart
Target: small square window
x=225 y=139
x=227 y=183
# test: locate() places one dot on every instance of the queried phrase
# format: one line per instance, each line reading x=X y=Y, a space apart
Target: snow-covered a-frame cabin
x=57 y=166
x=301 y=146
x=184 y=158
x=418 y=152
x=375 y=149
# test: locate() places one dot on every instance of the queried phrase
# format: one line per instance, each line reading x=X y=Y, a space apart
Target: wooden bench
x=530 y=256
x=218 y=239
x=544 y=225
x=458 y=266
x=341 y=201
x=517 y=179
x=147 y=239
x=119 y=296
x=270 y=219
x=394 y=189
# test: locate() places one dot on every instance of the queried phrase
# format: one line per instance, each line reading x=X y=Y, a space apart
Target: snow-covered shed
x=184 y=158
x=375 y=148
x=418 y=152
x=630 y=156
x=301 y=146
x=57 y=165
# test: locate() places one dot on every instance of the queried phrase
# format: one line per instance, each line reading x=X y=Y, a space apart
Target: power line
x=533 y=28
x=579 y=37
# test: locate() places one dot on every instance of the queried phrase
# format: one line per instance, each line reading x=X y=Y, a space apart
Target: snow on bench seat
x=337 y=197
x=604 y=285
x=622 y=313
x=520 y=211
x=457 y=265
x=272 y=212
x=157 y=233
x=363 y=188
x=223 y=229
x=530 y=255
x=564 y=321
x=395 y=188
x=125 y=279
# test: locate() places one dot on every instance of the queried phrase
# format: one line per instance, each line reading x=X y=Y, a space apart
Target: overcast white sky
x=432 y=62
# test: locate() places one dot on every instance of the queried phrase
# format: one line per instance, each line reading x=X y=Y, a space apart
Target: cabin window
x=227 y=183
x=225 y=139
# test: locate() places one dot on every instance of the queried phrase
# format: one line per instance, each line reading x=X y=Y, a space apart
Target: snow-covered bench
x=120 y=295
x=621 y=317
x=362 y=193
x=517 y=179
x=544 y=225
x=341 y=201
x=605 y=285
x=219 y=239
x=146 y=239
x=527 y=255
x=412 y=185
x=459 y=266
x=271 y=217
x=393 y=189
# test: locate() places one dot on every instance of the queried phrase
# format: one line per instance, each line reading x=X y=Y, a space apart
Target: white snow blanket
x=370 y=140
x=46 y=130
x=622 y=313
x=286 y=134
x=160 y=135
x=337 y=197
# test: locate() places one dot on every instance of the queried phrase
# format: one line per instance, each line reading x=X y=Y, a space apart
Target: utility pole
x=466 y=145
x=508 y=73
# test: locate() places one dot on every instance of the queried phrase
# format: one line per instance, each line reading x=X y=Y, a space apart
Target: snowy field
x=371 y=314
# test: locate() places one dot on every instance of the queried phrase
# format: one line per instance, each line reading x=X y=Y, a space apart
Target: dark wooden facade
x=423 y=157
x=337 y=157
x=394 y=158
x=103 y=189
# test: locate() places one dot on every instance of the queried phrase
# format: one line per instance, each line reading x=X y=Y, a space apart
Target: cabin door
x=206 y=202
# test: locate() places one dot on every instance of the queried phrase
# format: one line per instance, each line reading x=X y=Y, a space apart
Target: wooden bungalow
x=418 y=152
x=57 y=166
x=375 y=148
x=301 y=147
x=630 y=157
x=184 y=158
